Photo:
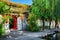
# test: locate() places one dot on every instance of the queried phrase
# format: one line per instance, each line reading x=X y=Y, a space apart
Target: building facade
x=16 y=10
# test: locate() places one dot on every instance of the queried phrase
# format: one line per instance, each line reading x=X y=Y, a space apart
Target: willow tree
x=57 y=12
x=38 y=8
x=44 y=9
x=54 y=13
x=50 y=11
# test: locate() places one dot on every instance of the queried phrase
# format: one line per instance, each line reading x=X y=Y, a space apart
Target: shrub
x=33 y=29
x=32 y=26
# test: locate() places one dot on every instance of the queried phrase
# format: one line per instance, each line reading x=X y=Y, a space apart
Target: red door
x=14 y=22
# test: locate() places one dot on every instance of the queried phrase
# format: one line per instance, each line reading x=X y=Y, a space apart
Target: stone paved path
x=17 y=36
x=26 y=35
x=21 y=38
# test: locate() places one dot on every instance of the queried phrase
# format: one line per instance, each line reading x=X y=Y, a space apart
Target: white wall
x=39 y=23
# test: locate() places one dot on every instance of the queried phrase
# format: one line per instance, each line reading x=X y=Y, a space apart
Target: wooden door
x=14 y=22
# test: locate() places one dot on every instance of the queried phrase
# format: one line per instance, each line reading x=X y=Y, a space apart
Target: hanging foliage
x=3 y=8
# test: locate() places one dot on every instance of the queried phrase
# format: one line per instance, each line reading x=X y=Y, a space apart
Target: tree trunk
x=56 y=23
x=49 y=24
x=43 y=23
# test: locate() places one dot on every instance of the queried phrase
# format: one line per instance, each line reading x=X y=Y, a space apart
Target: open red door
x=14 y=22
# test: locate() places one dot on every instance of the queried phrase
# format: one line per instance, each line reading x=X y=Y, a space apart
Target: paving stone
x=26 y=35
x=29 y=38
x=22 y=38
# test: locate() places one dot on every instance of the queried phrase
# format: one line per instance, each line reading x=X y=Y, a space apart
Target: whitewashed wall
x=7 y=30
x=19 y=23
x=52 y=24
x=46 y=23
x=40 y=23
x=59 y=23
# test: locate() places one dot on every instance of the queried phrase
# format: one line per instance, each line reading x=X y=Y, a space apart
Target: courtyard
x=29 y=20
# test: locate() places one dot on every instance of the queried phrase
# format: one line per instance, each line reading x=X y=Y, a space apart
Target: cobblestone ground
x=19 y=36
